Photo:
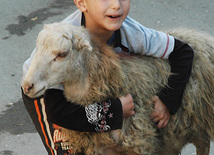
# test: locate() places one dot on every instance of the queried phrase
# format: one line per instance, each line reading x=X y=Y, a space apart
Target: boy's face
x=105 y=15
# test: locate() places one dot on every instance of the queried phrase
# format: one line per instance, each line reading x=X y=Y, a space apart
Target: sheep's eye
x=61 y=55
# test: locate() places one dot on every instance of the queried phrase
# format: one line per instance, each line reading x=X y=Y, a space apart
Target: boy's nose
x=115 y=4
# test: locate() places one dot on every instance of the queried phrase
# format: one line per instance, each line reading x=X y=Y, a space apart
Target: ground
x=20 y=23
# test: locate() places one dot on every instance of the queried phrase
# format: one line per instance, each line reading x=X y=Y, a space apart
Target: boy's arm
x=91 y=119
x=181 y=64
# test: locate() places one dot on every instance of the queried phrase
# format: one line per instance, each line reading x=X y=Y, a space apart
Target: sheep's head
x=57 y=58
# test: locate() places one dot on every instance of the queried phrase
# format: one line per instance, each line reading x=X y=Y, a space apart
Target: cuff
x=115 y=114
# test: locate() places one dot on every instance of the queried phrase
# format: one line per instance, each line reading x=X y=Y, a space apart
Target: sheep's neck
x=103 y=80
x=76 y=92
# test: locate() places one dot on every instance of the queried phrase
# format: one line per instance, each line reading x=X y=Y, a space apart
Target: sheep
x=92 y=72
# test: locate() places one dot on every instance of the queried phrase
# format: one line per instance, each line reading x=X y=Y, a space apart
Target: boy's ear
x=80 y=5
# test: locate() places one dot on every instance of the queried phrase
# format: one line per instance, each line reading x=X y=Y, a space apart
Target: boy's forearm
x=75 y=117
x=181 y=64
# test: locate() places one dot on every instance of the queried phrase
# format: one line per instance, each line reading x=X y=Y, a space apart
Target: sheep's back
x=146 y=76
x=197 y=109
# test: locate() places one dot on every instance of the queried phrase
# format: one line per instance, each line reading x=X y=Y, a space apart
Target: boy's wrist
x=172 y=102
x=115 y=114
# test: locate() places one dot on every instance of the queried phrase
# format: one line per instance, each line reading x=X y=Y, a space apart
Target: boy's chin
x=114 y=27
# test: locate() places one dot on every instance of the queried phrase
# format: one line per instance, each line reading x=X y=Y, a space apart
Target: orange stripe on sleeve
x=41 y=124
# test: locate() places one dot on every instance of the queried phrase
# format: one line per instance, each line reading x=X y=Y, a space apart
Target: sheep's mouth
x=40 y=92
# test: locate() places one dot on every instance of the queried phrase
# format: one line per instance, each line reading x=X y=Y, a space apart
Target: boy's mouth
x=114 y=16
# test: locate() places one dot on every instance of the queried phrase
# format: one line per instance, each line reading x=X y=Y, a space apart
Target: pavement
x=21 y=20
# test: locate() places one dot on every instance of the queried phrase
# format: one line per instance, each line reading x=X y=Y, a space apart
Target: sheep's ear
x=87 y=44
x=81 y=43
x=45 y=26
x=50 y=26
x=66 y=36
x=53 y=26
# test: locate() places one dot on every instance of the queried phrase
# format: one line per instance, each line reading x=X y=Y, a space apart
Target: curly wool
x=92 y=72
x=145 y=76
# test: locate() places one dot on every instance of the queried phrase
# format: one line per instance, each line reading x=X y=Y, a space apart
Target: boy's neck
x=102 y=36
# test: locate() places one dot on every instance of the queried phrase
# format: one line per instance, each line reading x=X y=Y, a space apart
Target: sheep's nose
x=28 y=88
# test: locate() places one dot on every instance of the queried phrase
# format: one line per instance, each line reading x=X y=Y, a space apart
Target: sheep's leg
x=202 y=146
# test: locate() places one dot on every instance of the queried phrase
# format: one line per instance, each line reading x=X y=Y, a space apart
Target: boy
x=108 y=20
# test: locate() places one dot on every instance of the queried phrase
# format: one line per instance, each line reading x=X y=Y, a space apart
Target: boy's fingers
x=155 y=120
x=153 y=114
x=165 y=123
x=132 y=113
x=160 y=124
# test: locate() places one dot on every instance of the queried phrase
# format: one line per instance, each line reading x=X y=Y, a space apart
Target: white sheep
x=91 y=72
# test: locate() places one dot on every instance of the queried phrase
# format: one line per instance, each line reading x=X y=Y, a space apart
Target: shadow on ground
x=6 y=152
x=26 y=23
x=15 y=120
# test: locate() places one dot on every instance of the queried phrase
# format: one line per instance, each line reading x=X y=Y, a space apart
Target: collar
x=83 y=20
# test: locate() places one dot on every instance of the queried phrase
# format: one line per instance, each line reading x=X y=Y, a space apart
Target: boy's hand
x=161 y=114
x=127 y=105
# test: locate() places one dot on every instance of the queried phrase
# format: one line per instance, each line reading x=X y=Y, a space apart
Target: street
x=20 y=24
